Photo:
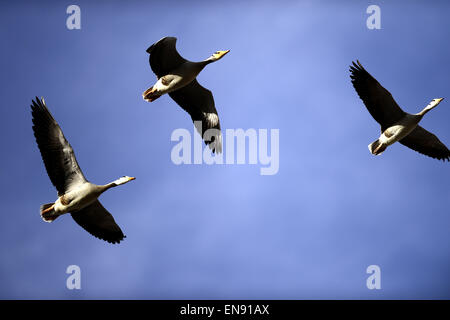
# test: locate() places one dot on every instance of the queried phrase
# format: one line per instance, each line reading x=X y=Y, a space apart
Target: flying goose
x=396 y=125
x=75 y=194
x=177 y=77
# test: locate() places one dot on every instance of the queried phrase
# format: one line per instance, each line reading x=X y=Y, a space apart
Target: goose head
x=123 y=180
x=218 y=55
x=433 y=103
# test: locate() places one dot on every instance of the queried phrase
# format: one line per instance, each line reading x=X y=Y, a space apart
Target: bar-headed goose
x=177 y=77
x=75 y=194
x=396 y=125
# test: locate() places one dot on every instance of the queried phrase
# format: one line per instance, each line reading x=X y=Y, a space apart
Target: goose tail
x=151 y=94
x=48 y=213
x=377 y=147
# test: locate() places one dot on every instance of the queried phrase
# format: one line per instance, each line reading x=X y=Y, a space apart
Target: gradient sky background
x=225 y=231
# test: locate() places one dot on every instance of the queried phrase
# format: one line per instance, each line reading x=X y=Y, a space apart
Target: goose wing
x=57 y=154
x=426 y=143
x=164 y=56
x=199 y=103
x=377 y=99
x=96 y=220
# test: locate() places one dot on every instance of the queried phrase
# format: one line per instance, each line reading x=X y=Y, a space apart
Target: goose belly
x=172 y=83
x=178 y=78
x=76 y=199
x=396 y=133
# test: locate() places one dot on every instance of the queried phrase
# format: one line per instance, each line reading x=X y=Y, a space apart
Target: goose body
x=176 y=79
x=176 y=76
x=396 y=125
x=396 y=132
x=81 y=196
x=76 y=195
x=78 y=198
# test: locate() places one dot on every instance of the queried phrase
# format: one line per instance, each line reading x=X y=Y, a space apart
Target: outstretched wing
x=57 y=154
x=199 y=103
x=426 y=143
x=164 y=56
x=377 y=99
x=96 y=220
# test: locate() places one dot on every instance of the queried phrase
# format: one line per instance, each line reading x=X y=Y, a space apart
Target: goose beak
x=437 y=101
x=220 y=54
x=132 y=178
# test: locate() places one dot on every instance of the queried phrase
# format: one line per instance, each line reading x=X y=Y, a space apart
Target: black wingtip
x=115 y=241
x=34 y=105
x=356 y=65
x=38 y=102
x=153 y=46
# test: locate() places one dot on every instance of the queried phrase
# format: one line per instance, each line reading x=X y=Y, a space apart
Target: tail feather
x=151 y=94
x=50 y=215
x=377 y=147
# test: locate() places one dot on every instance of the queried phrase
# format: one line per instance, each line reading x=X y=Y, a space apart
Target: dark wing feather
x=164 y=56
x=96 y=220
x=199 y=103
x=57 y=154
x=426 y=143
x=377 y=99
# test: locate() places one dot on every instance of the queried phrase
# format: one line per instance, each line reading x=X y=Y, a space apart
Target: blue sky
x=223 y=232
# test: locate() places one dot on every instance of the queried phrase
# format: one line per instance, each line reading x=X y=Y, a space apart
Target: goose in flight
x=177 y=77
x=396 y=125
x=75 y=194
